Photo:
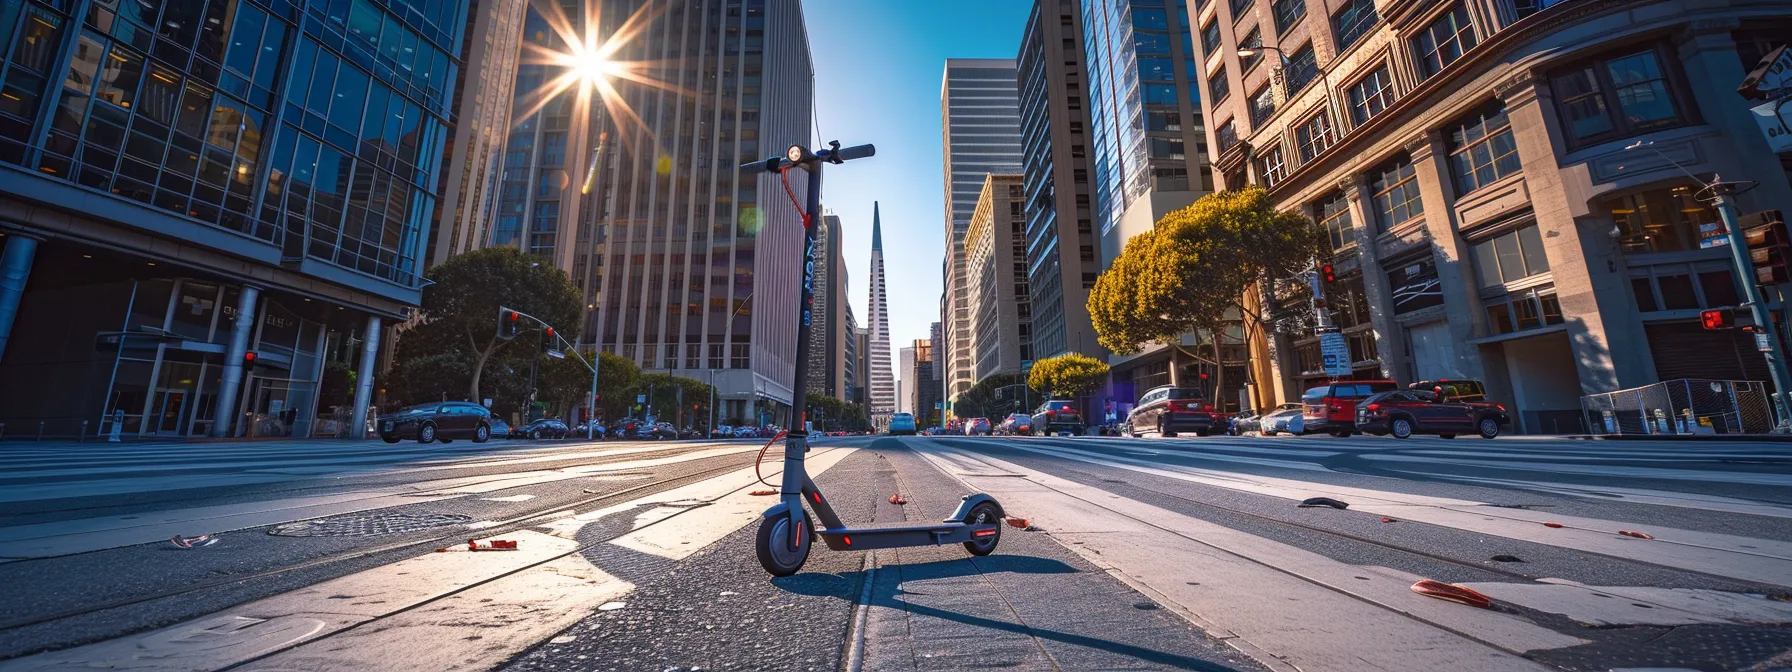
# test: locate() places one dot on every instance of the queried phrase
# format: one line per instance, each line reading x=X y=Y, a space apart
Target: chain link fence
x=1685 y=406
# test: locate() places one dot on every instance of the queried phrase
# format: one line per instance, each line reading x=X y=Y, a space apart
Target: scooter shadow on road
x=850 y=583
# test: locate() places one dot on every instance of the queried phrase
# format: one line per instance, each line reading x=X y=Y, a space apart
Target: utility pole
x=1330 y=340
x=1723 y=199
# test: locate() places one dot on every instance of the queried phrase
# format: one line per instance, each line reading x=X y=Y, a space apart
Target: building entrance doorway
x=169 y=412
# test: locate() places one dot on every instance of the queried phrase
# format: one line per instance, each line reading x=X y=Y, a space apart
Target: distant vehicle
x=1286 y=419
x=1244 y=421
x=1173 y=410
x=1018 y=424
x=1058 y=415
x=902 y=424
x=721 y=432
x=626 y=428
x=659 y=431
x=500 y=428
x=1403 y=413
x=1458 y=389
x=1331 y=407
x=545 y=428
x=745 y=432
x=976 y=426
x=595 y=427
x=444 y=421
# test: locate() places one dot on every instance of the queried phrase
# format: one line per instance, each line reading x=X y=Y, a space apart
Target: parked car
x=1458 y=389
x=1286 y=419
x=1058 y=415
x=545 y=428
x=626 y=428
x=439 y=421
x=976 y=426
x=500 y=428
x=1403 y=413
x=1244 y=421
x=1017 y=424
x=902 y=424
x=594 y=427
x=1173 y=410
x=1331 y=407
x=659 y=431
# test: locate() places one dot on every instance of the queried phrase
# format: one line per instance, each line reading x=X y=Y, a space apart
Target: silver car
x=1285 y=420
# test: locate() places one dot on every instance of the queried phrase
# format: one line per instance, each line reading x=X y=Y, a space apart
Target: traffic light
x=249 y=358
x=1325 y=273
x=1717 y=318
x=507 y=323
x=547 y=339
x=1765 y=234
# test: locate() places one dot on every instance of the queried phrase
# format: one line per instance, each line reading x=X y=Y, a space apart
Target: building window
x=1303 y=68
x=1353 y=22
x=1314 y=136
x=1162 y=148
x=1370 y=95
x=1524 y=8
x=1444 y=41
x=1482 y=149
x=1334 y=216
x=1270 y=166
x=1529 y=309
x=1253 y=40
x=1633 y=85
x=1413 y=284
x=1210 y=38
x=1510 y=257
x=1666 y=220
x=1396 y=193
x=1288 y=13
x=1263 y=106
x=1239 y=8
x=1218 y=87
x=1226 y=137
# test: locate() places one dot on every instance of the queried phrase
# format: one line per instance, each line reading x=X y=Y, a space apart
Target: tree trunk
x=479 y=368
x=1219 y=377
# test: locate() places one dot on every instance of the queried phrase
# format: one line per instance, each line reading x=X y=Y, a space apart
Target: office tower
x=827 y=324
x=863 y=391
x=995 y=252
x=979 y=110
x=689 y=265
x=473 y=156
x=1063 y=257
x=882 y=385
x=926 y=390
x=849 y=361
x=246 y=187
x=905 y=386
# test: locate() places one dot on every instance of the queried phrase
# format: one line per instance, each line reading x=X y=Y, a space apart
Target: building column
x=1462 y=304
x=224 y=414
x=1389 y=341
x=15 y=269
x=370 y=350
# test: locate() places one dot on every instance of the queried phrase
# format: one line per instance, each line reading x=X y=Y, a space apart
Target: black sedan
x=545 y=428
x=440 y=421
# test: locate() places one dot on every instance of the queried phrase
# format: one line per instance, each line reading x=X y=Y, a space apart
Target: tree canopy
x=830 y=414
x=1195 y=265
x=994 y=397
x=1067 y=376
x=689 y=407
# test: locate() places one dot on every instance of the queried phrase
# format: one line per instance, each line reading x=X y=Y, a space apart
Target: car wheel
x=1401 y=428
x=535 y=435
x=1163 y=431
x=426 y=433
x=483 y=434
x=1489 y=428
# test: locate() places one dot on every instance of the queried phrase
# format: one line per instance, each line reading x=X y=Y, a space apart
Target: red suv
x=1331 y=408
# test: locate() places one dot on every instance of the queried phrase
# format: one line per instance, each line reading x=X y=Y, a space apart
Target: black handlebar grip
x=859 y=152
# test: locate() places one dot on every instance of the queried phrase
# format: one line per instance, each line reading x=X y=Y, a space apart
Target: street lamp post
x=1280 y=73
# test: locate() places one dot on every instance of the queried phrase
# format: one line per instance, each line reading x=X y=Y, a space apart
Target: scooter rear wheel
x=773 y=547
x=984 y=514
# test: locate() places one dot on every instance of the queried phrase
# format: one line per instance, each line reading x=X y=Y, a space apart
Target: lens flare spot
x=749 y=221
x=664 y=165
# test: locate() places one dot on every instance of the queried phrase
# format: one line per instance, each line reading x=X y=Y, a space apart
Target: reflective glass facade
x=980 y=104
x=313 y=125
x=1144 y=103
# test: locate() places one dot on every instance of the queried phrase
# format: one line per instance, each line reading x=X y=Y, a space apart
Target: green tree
x=1191 y=272
x=1067 y=376
x=835 y=415
x=460 y=317
x=566 y=382
x=664 y=394
x=993 y=397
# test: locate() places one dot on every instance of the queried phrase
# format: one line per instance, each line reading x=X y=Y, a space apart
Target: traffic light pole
x=1723 y=200
x=505 y=314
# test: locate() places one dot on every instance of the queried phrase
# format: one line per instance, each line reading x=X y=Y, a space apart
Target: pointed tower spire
x=877 y=229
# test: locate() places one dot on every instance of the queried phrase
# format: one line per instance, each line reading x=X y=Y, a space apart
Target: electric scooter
x=784 y=533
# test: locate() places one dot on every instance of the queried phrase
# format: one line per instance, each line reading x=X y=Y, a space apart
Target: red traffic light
x=1326 y=272
x=550 y=332
x=249 y=357
x=1717 y=318
x=514 y=316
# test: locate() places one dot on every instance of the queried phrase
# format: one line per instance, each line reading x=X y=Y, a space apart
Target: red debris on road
x=1634 y=533
x=1451 y=592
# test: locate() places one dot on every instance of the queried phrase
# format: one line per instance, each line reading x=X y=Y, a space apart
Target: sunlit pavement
x=1179 y=553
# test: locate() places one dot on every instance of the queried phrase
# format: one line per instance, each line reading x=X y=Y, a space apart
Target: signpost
x=1334 y=351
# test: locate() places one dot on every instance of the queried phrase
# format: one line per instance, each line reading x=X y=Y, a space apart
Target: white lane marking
x=1685 y=500
x=1781 y=480
x=245 y=632
x=1601 y=606
x=1748 y=558
x=512 y=498
x=1263 y=591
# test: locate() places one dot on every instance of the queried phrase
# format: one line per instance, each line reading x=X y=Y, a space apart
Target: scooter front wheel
x=773 y=547
x=984 y=514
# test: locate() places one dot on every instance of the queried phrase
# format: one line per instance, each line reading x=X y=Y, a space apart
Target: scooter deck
x=896 y=536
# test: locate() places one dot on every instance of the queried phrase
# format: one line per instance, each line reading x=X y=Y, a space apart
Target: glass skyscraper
x=979 y=106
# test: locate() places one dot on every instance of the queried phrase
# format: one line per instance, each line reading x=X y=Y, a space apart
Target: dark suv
x=1172 y=410
x=1056 y=416
x=1403 y=413
x=1331 y=407
x=445 y=421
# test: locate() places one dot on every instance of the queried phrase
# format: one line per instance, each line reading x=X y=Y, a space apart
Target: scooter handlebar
x=776 y=163
x=859 y=152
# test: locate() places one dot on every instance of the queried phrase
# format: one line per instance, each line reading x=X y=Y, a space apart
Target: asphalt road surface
x=1158 y=554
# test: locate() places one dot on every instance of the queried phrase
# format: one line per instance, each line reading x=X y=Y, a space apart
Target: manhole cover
x=369 y=524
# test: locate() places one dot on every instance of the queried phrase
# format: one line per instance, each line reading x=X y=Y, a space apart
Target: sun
x=593 y=66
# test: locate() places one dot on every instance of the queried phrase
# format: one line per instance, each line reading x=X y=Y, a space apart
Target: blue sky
x=878 y=65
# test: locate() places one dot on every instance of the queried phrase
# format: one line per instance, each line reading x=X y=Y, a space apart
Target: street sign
x=1762 y=344
x=1773 y=76
x=640 y=398
x=556 y=354
x=1775 y=119
x=938 y=405
x=1334 y=351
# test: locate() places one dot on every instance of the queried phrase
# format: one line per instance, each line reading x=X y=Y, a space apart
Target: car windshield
x=1059 y=406
x=1185 y=393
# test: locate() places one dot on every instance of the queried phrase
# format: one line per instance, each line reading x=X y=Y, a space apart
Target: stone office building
x=209 y=209
x=1471 y=161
